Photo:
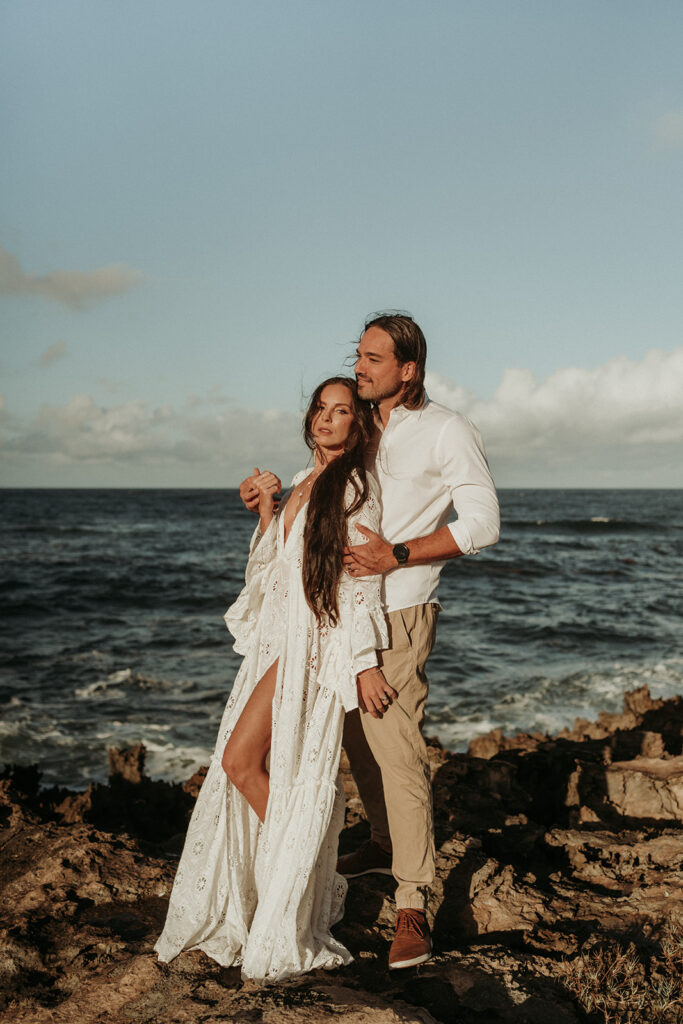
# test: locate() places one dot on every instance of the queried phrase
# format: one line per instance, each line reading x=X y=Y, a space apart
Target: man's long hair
x=409 y=347
x=326 y=529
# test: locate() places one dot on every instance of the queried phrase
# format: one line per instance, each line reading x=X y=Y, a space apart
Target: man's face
x=378 y=371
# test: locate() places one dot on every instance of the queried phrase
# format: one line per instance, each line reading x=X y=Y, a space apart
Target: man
x=429 y=460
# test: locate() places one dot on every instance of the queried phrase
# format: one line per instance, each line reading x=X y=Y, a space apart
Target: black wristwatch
x=401 y=553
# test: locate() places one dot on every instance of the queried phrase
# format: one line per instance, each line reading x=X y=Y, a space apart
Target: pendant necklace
x=306 y=486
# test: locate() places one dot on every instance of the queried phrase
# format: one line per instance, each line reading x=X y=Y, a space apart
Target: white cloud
x=622 y=419
x=621 y=401
x=73 y=288
x=668 y=130
x=620 y=424
x=195 y=442
x=53 y=352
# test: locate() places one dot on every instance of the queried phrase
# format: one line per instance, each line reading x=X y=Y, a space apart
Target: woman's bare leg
x=244 y=757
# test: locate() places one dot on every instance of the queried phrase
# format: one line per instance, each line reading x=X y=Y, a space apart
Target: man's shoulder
x=443 y=413
x=451 y=431
x=438 y=416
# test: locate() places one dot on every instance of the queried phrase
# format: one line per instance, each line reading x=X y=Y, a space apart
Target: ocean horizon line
x=235 y=487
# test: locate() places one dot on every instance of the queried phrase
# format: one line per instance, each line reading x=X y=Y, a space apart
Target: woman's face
x=333 y=419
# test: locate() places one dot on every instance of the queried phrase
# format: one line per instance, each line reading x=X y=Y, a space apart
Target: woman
x=257 y=883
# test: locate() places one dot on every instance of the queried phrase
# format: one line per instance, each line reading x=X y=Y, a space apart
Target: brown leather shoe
x=369 y=857
x=413 y=942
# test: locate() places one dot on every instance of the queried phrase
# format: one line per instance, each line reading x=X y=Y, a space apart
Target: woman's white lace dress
x=266 y=895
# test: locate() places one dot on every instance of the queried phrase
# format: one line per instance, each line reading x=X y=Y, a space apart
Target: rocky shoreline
x=559 y=895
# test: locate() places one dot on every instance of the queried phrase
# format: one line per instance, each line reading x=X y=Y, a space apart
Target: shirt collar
x=400 y=413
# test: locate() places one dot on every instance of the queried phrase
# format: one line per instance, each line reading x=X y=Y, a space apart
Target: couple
x=335 y=623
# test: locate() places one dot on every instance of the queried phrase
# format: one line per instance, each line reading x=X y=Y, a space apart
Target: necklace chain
x=307 y=484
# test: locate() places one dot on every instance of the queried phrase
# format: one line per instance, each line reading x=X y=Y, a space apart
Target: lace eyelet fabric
x=264 y=896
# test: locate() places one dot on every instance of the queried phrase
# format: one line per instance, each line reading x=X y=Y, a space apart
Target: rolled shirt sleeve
x=467 y=475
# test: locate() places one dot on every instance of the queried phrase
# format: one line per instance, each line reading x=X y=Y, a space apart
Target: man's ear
x=407 y=372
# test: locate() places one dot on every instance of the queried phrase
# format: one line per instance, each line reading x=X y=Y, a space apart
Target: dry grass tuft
x=630 y=984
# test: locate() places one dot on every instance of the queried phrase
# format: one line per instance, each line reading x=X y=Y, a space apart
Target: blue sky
x=201 y=203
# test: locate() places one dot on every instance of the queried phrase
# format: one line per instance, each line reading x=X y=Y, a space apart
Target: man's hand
x=374 y=693
x=252 y=488
x=371 y=559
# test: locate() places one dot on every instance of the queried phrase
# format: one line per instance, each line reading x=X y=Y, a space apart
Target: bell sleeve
x=368 y=627
x=242 y=615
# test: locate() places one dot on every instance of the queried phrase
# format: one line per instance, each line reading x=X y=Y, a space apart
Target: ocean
x=113 y=632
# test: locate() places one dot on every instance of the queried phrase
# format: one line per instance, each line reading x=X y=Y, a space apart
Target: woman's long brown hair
x=326 y=529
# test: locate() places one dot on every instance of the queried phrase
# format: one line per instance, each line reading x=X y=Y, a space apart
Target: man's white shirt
x=430 y=461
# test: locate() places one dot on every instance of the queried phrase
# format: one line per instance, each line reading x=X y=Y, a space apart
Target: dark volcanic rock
x=559 y=861
x=151 y=811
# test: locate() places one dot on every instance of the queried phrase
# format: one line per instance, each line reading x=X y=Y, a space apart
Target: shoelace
x=411 y=921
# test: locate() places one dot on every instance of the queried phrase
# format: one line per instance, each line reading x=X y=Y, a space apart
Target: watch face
x=401 y=553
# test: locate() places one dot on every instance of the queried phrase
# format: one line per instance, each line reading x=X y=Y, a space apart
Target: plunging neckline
x=286 y=534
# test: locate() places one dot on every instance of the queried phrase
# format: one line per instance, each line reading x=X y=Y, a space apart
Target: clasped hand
x=258 y=492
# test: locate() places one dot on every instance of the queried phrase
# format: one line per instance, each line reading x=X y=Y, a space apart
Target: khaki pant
x=388 y=756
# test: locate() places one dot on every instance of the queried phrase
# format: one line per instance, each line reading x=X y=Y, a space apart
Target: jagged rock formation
x=559 y=895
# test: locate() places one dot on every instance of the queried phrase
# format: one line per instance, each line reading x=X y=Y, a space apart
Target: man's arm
x=465 y=471
x=377 y=556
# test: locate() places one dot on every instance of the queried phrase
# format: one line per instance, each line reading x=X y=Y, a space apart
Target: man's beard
x=373 y=393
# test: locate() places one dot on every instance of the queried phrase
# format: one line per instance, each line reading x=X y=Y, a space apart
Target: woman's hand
x=374 y=693
x=267 y=487
x=250 y=493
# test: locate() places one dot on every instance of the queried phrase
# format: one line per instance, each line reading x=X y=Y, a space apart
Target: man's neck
x=385 y=406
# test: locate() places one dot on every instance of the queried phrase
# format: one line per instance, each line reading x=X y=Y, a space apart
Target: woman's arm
x=266 y=486
x=369 y=622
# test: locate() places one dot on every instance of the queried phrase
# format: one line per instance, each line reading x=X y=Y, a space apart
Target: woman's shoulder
x=355 y=485
x=373 y=486
x=298 y=477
